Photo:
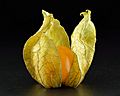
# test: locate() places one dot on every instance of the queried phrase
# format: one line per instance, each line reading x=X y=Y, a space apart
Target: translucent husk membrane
x=41 y=55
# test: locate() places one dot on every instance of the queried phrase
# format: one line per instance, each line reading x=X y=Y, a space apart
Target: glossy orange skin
x=66 y=56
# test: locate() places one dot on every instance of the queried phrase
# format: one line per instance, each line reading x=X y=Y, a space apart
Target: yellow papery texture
x=52 y=28
x=83 y=41
x=41 y=57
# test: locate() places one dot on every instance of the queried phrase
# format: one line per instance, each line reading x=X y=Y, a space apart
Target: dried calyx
x=49 y=58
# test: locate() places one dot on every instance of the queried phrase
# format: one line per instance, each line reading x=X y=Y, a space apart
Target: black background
x=20 y=19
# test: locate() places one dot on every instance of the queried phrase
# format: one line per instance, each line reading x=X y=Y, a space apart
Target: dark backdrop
x=22 y=18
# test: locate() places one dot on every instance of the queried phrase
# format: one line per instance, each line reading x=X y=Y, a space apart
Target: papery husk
x=41 y=55
x=40 y=52
x=43 y=62
x=52 y=28
x=47 y=63
x=83 y=41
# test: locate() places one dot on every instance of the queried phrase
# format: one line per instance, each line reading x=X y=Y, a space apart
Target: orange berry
x=66 y=56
